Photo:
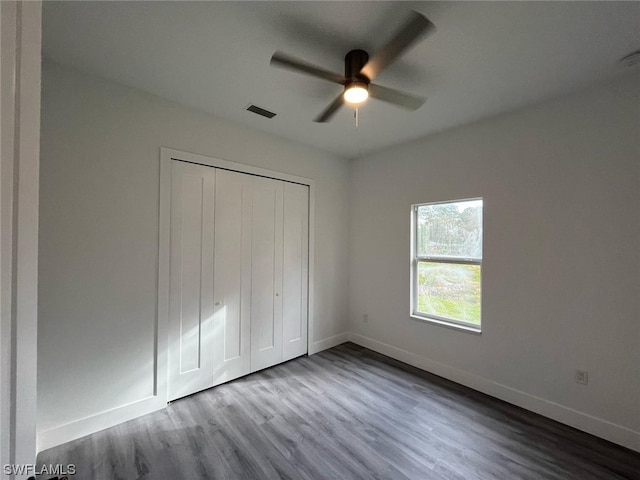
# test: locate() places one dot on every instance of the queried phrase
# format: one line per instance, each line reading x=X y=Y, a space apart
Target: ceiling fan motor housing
x=353 y=63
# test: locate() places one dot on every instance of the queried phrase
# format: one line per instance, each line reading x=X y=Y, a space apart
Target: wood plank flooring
x=346 y=413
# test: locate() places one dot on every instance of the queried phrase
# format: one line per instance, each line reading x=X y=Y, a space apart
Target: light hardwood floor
x=346 y=413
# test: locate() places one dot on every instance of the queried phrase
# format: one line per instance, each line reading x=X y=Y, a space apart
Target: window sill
x=444 y=323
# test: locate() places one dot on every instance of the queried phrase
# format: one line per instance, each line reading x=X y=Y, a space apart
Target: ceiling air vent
x=261 y=111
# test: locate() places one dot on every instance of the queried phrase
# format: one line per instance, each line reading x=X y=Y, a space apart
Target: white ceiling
x=484 y=58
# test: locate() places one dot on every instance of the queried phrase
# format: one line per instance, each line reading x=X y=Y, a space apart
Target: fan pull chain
x=356 y=115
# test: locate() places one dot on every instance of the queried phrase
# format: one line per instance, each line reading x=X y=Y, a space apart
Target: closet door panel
x=191 y=279
x=266 y=273
x=295 y=270
x=232 y=284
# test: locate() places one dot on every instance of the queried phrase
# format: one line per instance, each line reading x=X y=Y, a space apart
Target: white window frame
x=415 y=259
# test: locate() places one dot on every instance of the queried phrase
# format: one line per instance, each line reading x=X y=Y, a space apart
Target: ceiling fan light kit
x=356 y=93
x=360 y=70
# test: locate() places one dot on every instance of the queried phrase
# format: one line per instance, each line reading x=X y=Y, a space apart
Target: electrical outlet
x=581 y=376
x=365 y=318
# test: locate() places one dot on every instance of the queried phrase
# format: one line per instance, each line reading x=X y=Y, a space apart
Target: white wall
x=560 y=183
x=99 y=240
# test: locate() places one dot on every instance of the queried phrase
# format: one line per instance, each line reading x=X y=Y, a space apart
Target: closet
x=238 y=275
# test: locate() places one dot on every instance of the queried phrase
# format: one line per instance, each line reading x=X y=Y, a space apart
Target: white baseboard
x=85 y=426
x=330 y=342
x=582 y=421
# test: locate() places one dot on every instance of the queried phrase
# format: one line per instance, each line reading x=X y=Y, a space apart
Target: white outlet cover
x=581 y=376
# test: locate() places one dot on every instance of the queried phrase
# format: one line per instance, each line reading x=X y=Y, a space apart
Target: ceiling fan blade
x=280 y=59
x=330 y=110
x=416 y=26
x=402 y=99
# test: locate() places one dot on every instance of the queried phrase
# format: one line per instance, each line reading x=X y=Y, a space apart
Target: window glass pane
x=449 y=290
x=450 y=229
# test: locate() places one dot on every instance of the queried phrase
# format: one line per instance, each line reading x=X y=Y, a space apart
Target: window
x=447 y=262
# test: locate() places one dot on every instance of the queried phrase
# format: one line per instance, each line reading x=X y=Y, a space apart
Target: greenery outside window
x=446 y=266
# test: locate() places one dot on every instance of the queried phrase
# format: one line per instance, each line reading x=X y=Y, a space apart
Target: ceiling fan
x=360 y=69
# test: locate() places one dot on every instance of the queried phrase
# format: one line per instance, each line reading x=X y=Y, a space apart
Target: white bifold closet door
x=191 y=318
x=266 y=273
x=232 y=284
x=239 y=275
x=295 y=276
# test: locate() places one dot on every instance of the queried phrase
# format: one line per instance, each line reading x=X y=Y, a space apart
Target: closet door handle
x=217 y=304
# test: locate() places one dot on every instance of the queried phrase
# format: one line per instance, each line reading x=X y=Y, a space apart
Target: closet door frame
x=167 y=155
